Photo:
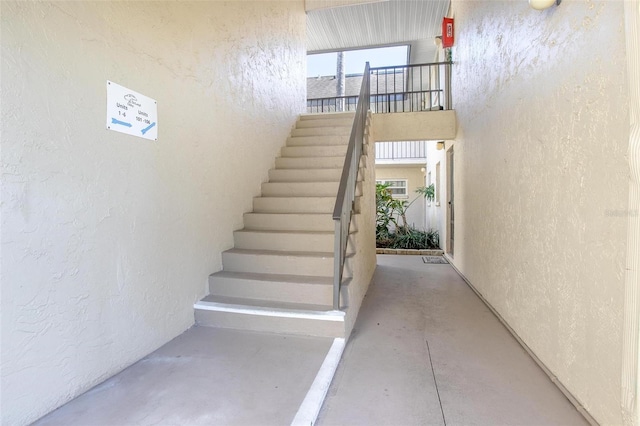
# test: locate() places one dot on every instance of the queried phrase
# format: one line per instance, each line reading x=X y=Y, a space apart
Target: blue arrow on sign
x=122 y=123
x=149 y=127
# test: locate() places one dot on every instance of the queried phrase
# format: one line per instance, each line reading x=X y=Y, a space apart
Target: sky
x=354 y=60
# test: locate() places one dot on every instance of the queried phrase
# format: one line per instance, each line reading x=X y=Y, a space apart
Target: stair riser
x=303 y=189
x=314 y=151
x=289 y=222
x=306 y=327
x=312 y=162
x=273 y=264
x=318 y=294
x=294 y=222
x=293 y=204
x=284 y=242
x=323 y=116
x=297 y=205
x=332 y=122
x=317 y=140
x=310 y=175
x=315 y=131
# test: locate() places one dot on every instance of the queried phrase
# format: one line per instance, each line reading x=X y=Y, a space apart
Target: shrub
x=389 y=210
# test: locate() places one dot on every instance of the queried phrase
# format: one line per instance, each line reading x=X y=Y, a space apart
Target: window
x=398 y=187
x=437 y=184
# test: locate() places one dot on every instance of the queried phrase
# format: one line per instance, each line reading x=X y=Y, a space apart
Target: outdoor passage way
x=425 y=351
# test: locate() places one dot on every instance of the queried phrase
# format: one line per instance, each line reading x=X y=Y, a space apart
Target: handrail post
x=447 y=83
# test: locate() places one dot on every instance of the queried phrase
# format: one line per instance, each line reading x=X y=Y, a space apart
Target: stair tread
x=316 y=169
x=326 y=115
x=292 y=213
x=255 y=276
x=264 y=305
x=277 y=231
x=319 y=254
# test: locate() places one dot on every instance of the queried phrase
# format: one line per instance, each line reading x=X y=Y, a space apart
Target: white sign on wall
x=131 y=113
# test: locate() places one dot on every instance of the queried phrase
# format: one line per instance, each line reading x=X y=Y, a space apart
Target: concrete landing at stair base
x=312 y=323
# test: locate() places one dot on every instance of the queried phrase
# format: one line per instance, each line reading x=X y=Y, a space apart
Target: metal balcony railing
x=402 y=88
x=401 y=150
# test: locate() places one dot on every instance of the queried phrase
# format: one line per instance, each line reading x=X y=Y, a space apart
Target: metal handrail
x=347 y=190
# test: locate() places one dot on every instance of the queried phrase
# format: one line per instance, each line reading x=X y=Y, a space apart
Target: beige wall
x=415 y=179
x=541 y=181
x=107 y=239
x=415 y=126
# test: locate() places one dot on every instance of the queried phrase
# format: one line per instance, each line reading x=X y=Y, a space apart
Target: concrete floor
x=425 y=350
x=206 y=376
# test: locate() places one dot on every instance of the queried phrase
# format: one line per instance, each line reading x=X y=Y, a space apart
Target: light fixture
x=440 y=145
x=543 y=4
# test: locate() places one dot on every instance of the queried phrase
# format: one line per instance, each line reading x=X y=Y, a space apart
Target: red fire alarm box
x=447 y=32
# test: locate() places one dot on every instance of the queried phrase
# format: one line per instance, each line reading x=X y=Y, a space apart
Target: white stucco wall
x=541 y=181
x=107 y=239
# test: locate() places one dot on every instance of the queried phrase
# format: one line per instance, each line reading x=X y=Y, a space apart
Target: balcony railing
x=404 y=88
x=401 y=150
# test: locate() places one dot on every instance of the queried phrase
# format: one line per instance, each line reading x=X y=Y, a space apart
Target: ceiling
x=381 y=23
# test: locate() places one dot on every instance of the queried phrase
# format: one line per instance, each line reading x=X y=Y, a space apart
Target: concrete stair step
x=316 y=241
x=317 y=140
x=268 y=316
x=313 y=162
x=314 y=151
x=315 y=131
x=307 y=175
x=278 y=288
x=297 y=205
x=303 y=189
x=325 y=115
x=318 y=264
x=325 y=122
x=309 y=163
x=289 y=221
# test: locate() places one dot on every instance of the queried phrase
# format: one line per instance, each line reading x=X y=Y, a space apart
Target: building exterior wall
x=541 y=181
x=415 y=126
x=415 y=179
x=436 y=212
x=107 y=239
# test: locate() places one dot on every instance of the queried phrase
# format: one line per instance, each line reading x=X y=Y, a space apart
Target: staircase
x=279 y=275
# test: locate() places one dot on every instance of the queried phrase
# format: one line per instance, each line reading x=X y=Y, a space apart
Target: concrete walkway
x=425 y=351
x=206 y=376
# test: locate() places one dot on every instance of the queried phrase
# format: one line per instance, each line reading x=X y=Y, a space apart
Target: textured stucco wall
x=415 y=179
x=107 y=239
x=541 y=181
x=363 y=263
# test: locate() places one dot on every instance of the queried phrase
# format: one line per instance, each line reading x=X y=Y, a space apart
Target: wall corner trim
x=631 y=336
